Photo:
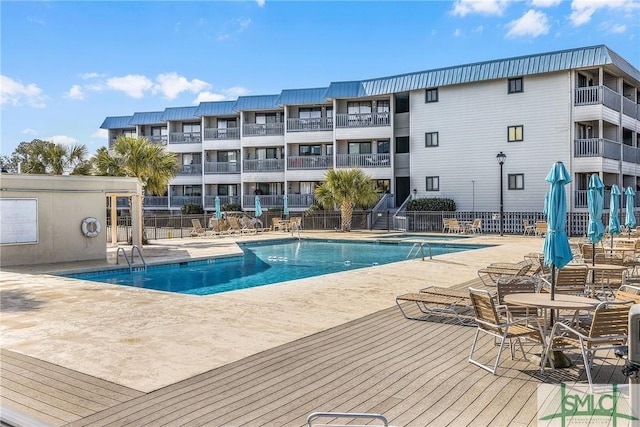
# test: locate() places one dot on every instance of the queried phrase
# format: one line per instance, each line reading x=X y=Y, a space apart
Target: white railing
x=156 y=201
x=221 y=167
x=183 y=200
x=268 y=129
x=309 y=162
x=210 y=201
x=266 y=201
x=300 y=200
x=228 y=133
x=597 y=147
x=263 y=165
x=195 y=169
x=157 y=139
x=363 y=120
x=363 y=161
x=592 y=95
x=185 y=137
x=309 y=125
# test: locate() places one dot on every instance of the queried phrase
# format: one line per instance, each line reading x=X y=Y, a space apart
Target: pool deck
x=148 y=347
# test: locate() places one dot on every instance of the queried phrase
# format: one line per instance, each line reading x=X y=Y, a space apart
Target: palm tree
x=346 y=188
x=137 y=157
x=45 y=157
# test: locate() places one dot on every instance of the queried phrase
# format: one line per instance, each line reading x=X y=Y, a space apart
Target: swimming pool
x=265 y=263
x=424 y=237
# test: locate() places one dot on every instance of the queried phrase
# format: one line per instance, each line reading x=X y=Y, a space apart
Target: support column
x=114 y=221
x=136 y=220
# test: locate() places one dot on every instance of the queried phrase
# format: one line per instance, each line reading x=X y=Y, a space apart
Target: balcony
x=300 y=200
x=190 y=170
x=156 y=202
x=596 y=147
x=211 y=168
x=157 y=139
x=309 y=162
x=210 y=201
x=581 y=200
x=215 y=133
x=263 y=165
x=630 y=154
x=310 y=125
x=363 y=160
x=630 y=108
x=183 y=200
x=266 y=129
x=593 y=95
x=363 y=120
x=266 y=201
x=185 y=137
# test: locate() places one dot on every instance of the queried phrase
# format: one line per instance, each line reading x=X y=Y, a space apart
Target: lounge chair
x=198 y=230
x=491 y=323
x=279 y=225
x=490 y=274
x=437 y=301
x=608 y=330
x=234 y=225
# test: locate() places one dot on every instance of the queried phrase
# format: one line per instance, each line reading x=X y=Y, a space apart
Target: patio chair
x=234 y=225
x=295 y=224
x=500 y=327
x=608 y=330
x=198 y=230
x=541 y=228
x=445 y=225
x=529 y=229
x=490 y=274
x=278 y=225
x=455 y=226
x=476 y=226
x=628 y=293
x=570 y=280
x=508 y=285
x=437 y=301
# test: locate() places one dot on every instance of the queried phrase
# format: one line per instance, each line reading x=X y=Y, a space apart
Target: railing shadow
x=16 y=300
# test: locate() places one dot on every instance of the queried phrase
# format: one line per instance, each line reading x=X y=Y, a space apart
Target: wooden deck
x=414 y=372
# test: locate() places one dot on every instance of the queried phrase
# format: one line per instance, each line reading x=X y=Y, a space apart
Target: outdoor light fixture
x=501 y=158
x=415 y=192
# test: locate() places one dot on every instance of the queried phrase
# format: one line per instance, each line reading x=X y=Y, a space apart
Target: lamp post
x=501 y=158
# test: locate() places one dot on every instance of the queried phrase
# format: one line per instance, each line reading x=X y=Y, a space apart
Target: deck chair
x=628 y=293
x=237 y=228
x=490 y=274
x=476 y=226
x=569 y=280
x=437 y=301
x=529 y=229
x=198 y=230
x=455 y=226
x=295 y=224
x=541 y=228
x=219 y=227
x=608 y=330
x=500 y=327
x=278 y=225
x=508 y=285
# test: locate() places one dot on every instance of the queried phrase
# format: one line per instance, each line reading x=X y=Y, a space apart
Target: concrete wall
x=62 y=204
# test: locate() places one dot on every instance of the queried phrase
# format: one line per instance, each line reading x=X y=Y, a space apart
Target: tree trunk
x=346 y=211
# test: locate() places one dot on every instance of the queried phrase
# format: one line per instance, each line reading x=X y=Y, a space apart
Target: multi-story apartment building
x=432 y=133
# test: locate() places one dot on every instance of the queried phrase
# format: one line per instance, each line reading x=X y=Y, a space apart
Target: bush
x=431 y=204
x=192 y=208
x=231 y=207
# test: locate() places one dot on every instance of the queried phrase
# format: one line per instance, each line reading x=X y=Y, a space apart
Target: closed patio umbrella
x=285 y=201
x=218 y=211
x=258 y=207
x=630 y=217
x=614 y=221
x=595 y=203
x=545 y=210
x=557 y=252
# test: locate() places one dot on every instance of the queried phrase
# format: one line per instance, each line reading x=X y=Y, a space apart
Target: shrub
x=231 y=207
x=192 y=208
x=431 y=204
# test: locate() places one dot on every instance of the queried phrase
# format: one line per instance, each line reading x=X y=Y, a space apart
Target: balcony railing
x=263 y=165
x=363 y=120
x=157 y=139
x=210 y=201
x=597 y=147
x=597 y=95
x=581 y=199
x=156 y=201
x=309 y=125
x=268 y=129
x=266 y=201
x=184 y=137
x=228 y=133
x=630 y=154
x=183 y=200
x=309 y=162
x=300 y=200
x=221 y=167
x=363 y=161
x=630 y=108
x=195 y=169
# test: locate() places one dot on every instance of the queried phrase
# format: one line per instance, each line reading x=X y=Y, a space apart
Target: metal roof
x=259 y=102
x=148 y=118
x=219 y=108
x=179 y=113
x=117 y=122
x=302 y=96
x=497 y=69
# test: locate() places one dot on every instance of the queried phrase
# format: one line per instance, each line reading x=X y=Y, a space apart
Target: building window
x=359 y=107
x=515 y=133
x=383 y=106
x=515 y=85
x=402 y=144
x=431 y=95
x=310 y=150
x=383 y=147
x=264 y=118
x=516 y=181
x=359 y=148
x=129 y=133
x=191 y=127
x=431 y=139
x=433 y=183
x=310 y=113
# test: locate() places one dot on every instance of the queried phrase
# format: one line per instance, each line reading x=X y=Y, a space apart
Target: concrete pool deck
x=146 y=339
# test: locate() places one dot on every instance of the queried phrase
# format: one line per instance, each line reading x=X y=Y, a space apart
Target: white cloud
x=133 y=85
x=236 y=91
x=101 y=134
x=531 y=24
x=478 y=29
x=482 y=7
x=582 y=10
x=75 y=93
x=171 y=85
x=617 y=28
x=244 y=24
x=209 y=97
x=261 y=2
x=545 y=3
x=62 y=139
x=457 y=32
x=14 y=93
x=88 y=76
x=35 y=20
x=29 y=131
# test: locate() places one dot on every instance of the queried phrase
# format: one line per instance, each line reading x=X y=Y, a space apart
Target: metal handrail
x=380 y=206
x=419 y=247
x=402 y=210
x=315 y=415
x=144 y=263
x=125 y=256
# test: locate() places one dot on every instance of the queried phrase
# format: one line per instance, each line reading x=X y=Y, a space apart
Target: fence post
x=181 y=225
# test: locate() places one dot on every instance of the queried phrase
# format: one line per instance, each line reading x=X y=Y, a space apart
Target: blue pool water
x=424 y=237
x=265 y=263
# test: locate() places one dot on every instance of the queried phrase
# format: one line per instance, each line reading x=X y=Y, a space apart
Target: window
x=227 y=190
x=310 y=113
x=359 y=148
x=515 y=133
x=516 y=181
x=310 y=150
x=227 y=123
x=402 y=144
x=515 y=85
x=381 y=185
x=129 y=133
x=383 y=147
x=431 y=139
x=329 y=149
x=383 y=106
x=433 y=183
x=431 y=95
x=227 y=156
x=159 y=131
x=264 y=118
x=402 y=103
x=362 y=107
x=191 y=127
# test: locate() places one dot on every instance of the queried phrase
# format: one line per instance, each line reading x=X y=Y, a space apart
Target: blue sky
x=67 y=65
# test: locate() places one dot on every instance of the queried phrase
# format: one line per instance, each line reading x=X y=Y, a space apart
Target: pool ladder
x=134 y=248
x=419 y=249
